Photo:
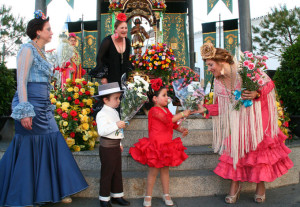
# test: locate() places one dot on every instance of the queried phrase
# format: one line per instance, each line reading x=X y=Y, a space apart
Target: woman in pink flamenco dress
x=159 y=151
x=249 y=140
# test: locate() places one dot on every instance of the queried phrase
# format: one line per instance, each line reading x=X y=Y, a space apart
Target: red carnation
x=75 y=119
x=72 y=134
x=78 y=86
x=83 y=72
x=80 y=93
x=59 y=111
x=87 y=93
x=64 y=115
x=81 y=104
x=121 y=17
x=73 y=113
x=77 y=101
x=73 y=83
x=94 y=123
x=84 y=82
x=69 y=98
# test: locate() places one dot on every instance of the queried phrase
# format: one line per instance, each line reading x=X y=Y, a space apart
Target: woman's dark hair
x=151 y=93
x=35 y=25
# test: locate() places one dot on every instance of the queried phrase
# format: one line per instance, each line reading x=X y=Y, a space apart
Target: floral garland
x=73 y=106
x=115 y=5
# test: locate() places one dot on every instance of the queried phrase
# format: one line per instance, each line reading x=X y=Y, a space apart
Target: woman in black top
x=113 y=55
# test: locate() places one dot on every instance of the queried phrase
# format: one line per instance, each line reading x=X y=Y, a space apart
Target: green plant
x=287 y=78
x=7 y=89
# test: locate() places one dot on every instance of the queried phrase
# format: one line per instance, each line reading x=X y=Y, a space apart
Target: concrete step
x=201 y=157
x=189 y=183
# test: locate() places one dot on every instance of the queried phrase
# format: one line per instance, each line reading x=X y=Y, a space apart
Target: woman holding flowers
x=36 y=167
x=247 y=137
x=113 y=55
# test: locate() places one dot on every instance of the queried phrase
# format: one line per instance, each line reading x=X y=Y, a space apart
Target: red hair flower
x=156 y=84
x=121 y=17
x=72 y=35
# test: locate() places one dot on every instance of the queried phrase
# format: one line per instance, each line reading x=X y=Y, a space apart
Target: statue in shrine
x=75 y=61
x=139 y=36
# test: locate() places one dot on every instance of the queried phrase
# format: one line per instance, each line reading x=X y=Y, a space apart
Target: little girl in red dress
x=159 y=151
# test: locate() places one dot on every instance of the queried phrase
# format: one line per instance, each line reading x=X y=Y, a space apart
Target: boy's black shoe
x=121 y=201
x=105 y=204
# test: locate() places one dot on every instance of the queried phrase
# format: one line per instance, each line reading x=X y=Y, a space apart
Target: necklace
x=121 y=50
x=231 y=85
x=39 y=50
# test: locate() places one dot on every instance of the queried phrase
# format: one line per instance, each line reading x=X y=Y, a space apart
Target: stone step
x=201 y=157
x=189 y=183
x=195 y=137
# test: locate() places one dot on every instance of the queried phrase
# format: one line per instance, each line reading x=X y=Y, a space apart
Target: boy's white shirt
x=106 y=120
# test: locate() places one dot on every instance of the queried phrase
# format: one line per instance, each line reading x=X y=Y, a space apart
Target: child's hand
x=122 y=148
x=186 y=113
x=201 y=109
x=185 y=132
x=121 y=124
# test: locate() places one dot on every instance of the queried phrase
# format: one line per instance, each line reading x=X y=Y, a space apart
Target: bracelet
x=182 y=114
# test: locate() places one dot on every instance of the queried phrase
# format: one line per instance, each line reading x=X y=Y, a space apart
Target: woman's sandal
x=168 y=202
x=67 y=200
x=147 y=203
x=259 y=198
x=234 y=198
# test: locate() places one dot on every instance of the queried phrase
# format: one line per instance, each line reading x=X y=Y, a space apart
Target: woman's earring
x=116 y=36
x=38 y=36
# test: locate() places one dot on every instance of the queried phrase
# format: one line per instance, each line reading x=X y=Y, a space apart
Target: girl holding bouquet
x=248 y=138
x=159 y=151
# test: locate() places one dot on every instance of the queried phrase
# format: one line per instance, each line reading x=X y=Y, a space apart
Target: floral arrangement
x=135 y=96
x=115 y=5
x=283 y=118
x=209 y=98
x=73 y=106
x=159 y=60
x=136 y=61
x=159 y=4
x=190 y=94
x=252 y=74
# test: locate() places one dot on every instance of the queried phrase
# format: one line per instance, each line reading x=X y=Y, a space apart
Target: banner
x=210 y=5
x=231 y=35
x=89 y=49
x=228 y=4
x=175 y=36
x=209 y=35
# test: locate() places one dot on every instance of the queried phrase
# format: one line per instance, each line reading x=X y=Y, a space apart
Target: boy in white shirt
x=108 y=123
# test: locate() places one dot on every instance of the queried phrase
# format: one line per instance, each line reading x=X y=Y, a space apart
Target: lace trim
x=23 y=110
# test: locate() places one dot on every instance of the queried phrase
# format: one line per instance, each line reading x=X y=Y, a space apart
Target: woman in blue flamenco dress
x=38 y=166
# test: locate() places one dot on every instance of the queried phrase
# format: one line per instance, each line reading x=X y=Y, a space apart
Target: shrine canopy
x=168 y=20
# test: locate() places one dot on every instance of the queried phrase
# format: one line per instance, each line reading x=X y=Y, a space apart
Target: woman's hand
x=104 y=80
x=186 y=113
x=250 y=95
x=27 y=123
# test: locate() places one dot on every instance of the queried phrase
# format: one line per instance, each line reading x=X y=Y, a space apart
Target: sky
x=58 y=10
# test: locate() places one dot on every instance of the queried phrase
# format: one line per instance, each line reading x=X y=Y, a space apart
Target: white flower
x=140 y=94
x=163 y=57
x=140 y=89
x=190 y=88
x=130 y=85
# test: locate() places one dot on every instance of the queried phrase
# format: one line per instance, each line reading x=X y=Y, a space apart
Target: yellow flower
x=76 y=148
x=84 y=119
x=89 y=102
x=58 y=104
x=90 y=83
x=78 y=81
x=163 y=66
x=76 y=95
x=160 y=54
x=80 y=115
x=70 y=142
x=82 y=90
x=84 y=100
x=65 y=123
x=90 y=133
x=84 y=112
x=96 y=84
x=53 y=100
x=95 y=133
x=70 y=89
x=51 y=96
x=211 y=94
x=85 y=126
x=92 y=93
x=76 y=89
x=92 y=143
x=92 y=90
x=85 y=138
x=68 y=80
x=277 y=104
x=279 y=123
x=88 y=110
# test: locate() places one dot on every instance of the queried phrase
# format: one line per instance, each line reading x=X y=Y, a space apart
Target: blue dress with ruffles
x=38 y=166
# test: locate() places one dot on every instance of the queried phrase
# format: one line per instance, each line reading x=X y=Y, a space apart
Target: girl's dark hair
x=98 y=105
x=35 y=25
x=70 y=37
x=151 y=93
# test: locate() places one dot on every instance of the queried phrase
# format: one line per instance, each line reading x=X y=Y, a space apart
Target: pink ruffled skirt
x=166 y=154
x=269 y=161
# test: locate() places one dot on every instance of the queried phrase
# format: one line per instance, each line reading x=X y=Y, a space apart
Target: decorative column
x=245 y=25
x=191 y=34
x=98 y=17
x=41 y=5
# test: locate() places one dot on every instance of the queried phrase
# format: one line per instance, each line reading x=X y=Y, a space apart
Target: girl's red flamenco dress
x=159 y=150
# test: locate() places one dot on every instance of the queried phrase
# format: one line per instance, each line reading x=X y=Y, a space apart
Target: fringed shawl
x=236 y=133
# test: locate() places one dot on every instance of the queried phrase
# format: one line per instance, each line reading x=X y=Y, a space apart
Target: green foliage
x=12 y=30
x=7 y=89
x=287 y=78
x=278 y=30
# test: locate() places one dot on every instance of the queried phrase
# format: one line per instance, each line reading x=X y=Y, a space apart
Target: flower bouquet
x=159 y=4
x=134 y=97
x=159 y=60
x=73 y=106
x=190 y=94
x=115 y=5
x=253 y=76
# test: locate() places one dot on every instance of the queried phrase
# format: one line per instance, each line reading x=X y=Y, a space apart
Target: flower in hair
x=121 y=17
x=156 y=84
x=39 y=14
x=208 y=51
x=72 y=35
